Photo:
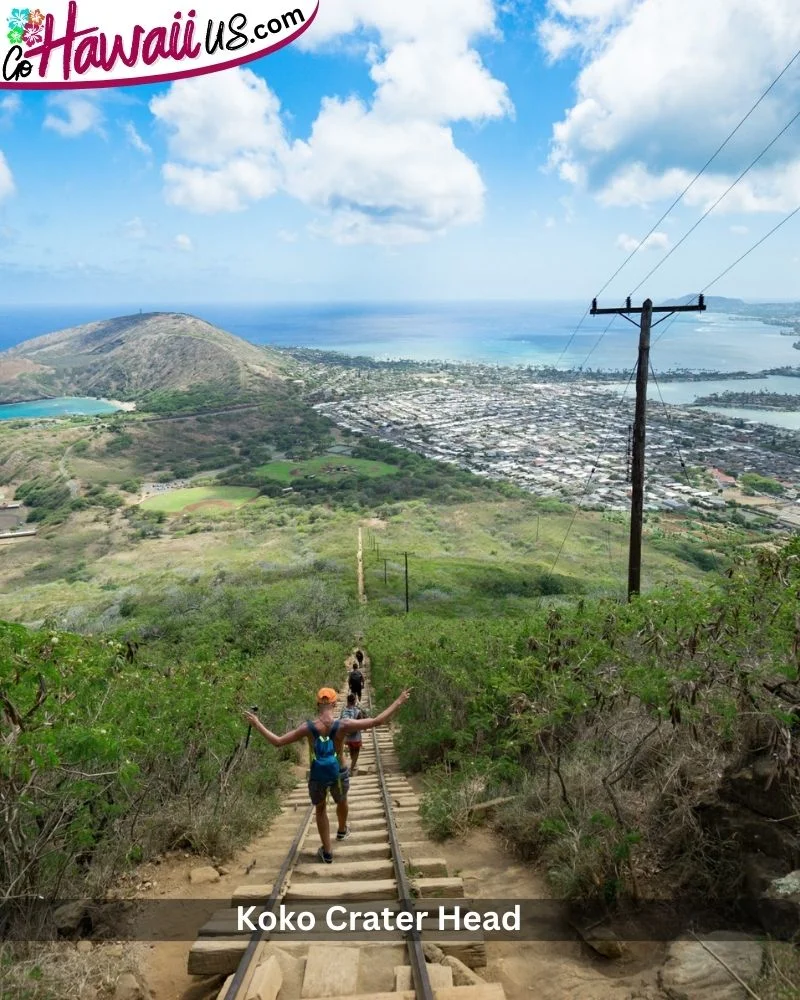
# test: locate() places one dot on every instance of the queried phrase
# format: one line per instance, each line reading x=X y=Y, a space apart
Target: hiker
x=353 y=740
x=355 y=679
x=326 y=737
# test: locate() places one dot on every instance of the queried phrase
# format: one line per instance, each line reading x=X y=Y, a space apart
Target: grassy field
x=200 y=498
x=327 y=467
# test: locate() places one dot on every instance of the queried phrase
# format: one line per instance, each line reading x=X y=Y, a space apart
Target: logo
x=95 y=44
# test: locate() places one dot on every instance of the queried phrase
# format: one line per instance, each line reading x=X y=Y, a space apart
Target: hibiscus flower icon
x=33 y=34
x=19 y=18
x=15 y=36
x=36 y=18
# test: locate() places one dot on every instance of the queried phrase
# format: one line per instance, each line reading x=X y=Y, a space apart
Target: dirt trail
x=545 y=970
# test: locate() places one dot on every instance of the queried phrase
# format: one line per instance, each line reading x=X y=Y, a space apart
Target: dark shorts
x=317 y=791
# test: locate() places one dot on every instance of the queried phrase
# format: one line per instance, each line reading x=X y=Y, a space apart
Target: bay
x=62 y=407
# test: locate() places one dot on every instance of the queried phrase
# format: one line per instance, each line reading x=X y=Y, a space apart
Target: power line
x=709 y=210
x=680 y=198
x=699 y=174
x=755 y=246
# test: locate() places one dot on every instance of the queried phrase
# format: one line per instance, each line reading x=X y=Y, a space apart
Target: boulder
x=760 y=788
x=129 y=988
x=780 y=906
x=462 y=974
x=74 y=918
x=691 y=973
x=433 y=953
x=204 y=876
x=605 y=942
x=83 y=947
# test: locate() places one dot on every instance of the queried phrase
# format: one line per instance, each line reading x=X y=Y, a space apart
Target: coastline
x=126 y=407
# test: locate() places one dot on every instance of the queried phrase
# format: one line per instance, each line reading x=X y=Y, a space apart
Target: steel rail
x=419 y=967
x=277 y=891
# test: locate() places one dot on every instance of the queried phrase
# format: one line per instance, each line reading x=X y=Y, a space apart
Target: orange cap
x=327 y=694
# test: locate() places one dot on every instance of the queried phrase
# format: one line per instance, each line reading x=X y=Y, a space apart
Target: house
x=721 y=479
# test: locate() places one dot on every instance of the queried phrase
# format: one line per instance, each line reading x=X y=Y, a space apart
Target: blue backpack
x=324 y=761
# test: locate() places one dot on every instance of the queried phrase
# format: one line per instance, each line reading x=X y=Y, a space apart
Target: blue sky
x=461 y=150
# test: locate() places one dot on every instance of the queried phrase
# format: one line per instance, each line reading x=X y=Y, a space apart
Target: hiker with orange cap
x=326 y=736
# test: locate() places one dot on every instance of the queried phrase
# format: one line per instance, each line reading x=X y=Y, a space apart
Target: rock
x=114 y=951
x=433 y=953
x=603 y=941
x=691 y=973
x=204 y=876
x=129 y=988
x=83 y=947
x=750 y=832
x=779 y=907
x=292 y=969
x=759 y=787
x=462 y=974
x=223 y=870
x=73 y=918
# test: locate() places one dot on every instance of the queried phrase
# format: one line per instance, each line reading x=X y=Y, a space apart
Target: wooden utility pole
x=640 y=421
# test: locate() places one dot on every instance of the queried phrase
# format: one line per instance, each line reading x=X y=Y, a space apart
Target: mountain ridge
x=127 y=357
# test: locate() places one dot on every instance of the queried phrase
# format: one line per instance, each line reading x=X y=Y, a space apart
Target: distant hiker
x=355 y=679
x=359 y=658
x=353 y=740
x=326 y=737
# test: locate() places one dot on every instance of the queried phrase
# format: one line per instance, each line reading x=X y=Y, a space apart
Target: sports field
x=200 y=498
x=327 y=467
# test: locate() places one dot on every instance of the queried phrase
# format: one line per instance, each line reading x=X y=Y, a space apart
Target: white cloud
x=184 y=242
x=72 y=116
x=385 y=171
x=7 y=187
x=135 y=229
x=740 y=230
x=10 y=106
x=136 y=140
x=656 y=96
x=383 y=181
x=286 y=236
x=389 y=172
x=655 y=241
x=226 y=130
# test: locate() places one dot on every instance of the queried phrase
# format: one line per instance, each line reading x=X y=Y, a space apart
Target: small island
x=761 y=400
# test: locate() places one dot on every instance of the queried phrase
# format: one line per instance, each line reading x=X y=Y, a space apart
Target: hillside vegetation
x=132 y=356
x=651 y=748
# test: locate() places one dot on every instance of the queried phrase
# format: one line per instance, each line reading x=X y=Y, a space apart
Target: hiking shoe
x=343 y=834
x=324 y=856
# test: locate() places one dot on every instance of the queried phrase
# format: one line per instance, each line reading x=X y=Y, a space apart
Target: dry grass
x=59 y=971
x=780 y=979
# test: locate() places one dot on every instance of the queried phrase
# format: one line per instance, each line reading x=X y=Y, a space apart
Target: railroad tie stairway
x=354 y=965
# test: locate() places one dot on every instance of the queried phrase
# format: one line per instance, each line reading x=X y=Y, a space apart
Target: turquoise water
x=66 y=406
x=505 y=333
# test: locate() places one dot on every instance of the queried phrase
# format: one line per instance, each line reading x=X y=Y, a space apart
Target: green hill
x=131 y=356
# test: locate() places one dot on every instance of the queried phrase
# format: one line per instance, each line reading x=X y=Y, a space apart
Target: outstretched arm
x=352 y=725
x=277 y=741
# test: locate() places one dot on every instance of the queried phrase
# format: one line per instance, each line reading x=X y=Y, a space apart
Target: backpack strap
x=311 y=727
x=334 y=729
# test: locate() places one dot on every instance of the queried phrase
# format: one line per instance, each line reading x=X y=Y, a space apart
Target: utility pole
x=645 y=325
x=406 y=558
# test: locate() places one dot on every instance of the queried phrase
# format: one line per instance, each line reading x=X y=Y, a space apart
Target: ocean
x=495 y=333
